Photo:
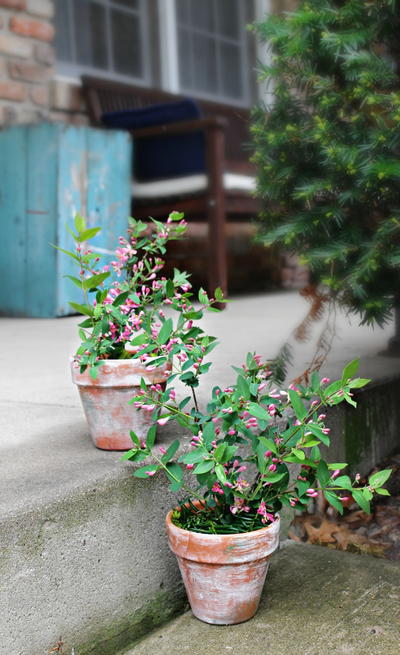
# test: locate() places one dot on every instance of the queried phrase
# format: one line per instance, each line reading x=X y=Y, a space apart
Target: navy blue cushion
x=162 y=157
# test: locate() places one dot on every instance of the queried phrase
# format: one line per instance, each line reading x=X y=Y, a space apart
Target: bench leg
x=217 y=251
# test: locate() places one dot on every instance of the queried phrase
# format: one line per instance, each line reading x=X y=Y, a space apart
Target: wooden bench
x=225 y=192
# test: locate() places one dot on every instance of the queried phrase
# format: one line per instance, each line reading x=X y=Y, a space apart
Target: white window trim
x=170 y=64
x=263 y=7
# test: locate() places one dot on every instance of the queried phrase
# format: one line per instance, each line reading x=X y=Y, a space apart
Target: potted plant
x=226 y=525
x=127 y=338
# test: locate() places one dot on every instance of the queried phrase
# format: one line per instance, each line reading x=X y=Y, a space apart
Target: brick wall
x=29 y=89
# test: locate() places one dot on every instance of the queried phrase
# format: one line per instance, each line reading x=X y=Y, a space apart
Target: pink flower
x=272 y=409
x=162 y=450
x=268 y=453
x=325 y=380
x=335 y=474
x=321 y=417
x=150 y=473
x=272 y=467
x=216 y=488
x=189 y=466
x=312 y=493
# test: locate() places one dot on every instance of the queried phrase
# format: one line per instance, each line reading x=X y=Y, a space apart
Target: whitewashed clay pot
x=105 y=401
x=223 y=574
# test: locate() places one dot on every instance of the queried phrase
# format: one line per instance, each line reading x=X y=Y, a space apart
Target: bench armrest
x=182 y=127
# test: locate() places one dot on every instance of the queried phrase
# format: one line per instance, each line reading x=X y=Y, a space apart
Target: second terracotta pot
x=109 y=415
x=223 y=574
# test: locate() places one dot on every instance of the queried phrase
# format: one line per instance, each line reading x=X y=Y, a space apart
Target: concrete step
x=83 y=554
x=316 y=601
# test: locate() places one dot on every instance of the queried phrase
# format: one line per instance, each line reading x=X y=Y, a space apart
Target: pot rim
x=228 y=536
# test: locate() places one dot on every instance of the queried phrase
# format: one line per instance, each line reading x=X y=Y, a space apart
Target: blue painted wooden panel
x=41 y=223
x=48 y=172
x=12 y=221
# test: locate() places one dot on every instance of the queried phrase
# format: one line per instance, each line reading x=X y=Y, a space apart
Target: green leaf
x=82 y=309
x=75 y=280
x=220 y=473
x=120 y=298
x=350 y=370
x=66 y=252
x=382 y=492
x=151 y=437
x=134 y=438
x=243 y=387
x=208 y=432
x=258 y=411
x=94 y=281
x=193 y=457
x=357 y=383
x=129 y=454
x=299 y=408
x=299 y=454
x=140 y=340
x=204 y=466
x=343 y=481
x=88 y=234
x=334 y=501
x=219 y=452
x=203 y=297
x=79 y=223
x=175 y=476
x=170 y=452
x=368 y=495
x=218 y=294
x=166 y=331
x=378 y=479
x=361 y=500
x=332 y=388
x=323 y=474
x=142 y=472
x=274 y=477
x=268 y=444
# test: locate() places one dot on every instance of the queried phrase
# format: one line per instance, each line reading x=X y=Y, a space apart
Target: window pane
x=185 y=56
x=63 y=34
x=90 y=34
x=127 y=39
x=231 y=70
x=228 y=18
x=202 y=14
x=204 y=64
x=182 y=9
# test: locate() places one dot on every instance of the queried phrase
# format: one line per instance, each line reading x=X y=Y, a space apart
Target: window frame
x=74 y=70
x=167 y=52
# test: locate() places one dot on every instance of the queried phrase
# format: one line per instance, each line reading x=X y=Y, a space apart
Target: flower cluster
x=242 y=447
x=141 y=314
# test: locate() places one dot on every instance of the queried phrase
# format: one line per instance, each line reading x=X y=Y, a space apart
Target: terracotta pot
x=105 y=401
x=223 y=574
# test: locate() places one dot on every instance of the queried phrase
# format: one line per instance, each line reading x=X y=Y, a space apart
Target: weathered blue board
x=48 y=172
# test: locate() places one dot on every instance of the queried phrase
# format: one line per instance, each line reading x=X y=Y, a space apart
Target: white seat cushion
x=189 y=184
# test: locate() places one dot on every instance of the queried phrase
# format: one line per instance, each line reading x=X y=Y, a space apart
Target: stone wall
x=30 y=91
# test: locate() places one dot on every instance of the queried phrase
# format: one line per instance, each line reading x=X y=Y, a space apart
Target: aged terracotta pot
x=105 y=401
x=223 y=574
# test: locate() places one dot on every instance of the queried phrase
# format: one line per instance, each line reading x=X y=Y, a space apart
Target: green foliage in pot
x=242 y=446
x=327 y=147
x=140 y=315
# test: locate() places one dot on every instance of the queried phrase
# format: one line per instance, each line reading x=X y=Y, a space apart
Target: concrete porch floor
x=316 y=601
x=57 y=492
